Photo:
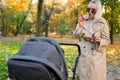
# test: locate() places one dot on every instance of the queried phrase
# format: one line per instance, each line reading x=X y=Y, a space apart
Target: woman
x=94 y=34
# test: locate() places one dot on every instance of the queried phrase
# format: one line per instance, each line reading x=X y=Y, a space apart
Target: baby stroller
x=39 y=58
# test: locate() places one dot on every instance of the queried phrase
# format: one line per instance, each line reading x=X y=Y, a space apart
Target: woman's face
x=91 y=10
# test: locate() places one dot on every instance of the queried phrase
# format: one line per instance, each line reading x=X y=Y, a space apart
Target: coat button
x=92 y=48
x=84 y=47
x=83 y=33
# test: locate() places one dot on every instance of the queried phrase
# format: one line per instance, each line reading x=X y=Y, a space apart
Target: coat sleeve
x=105 y=36
x=77 y=32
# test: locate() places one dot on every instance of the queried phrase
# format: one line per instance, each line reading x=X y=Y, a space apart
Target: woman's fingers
x=98 y=39
x=80 y=20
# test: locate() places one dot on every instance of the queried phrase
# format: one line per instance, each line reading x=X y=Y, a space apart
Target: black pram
x=39 y=58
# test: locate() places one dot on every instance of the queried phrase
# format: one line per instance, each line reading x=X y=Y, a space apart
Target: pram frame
x=77 y=58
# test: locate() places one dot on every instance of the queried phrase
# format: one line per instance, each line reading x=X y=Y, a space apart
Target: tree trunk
x=46 y=29
x=47 y=17
x=111 y=33
x=112 y=24
x=39 y=12
x=3 y=29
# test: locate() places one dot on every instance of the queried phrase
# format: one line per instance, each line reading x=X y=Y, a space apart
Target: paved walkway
x=113 y=72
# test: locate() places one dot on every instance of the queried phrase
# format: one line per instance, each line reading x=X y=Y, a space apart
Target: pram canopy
x=39 y=58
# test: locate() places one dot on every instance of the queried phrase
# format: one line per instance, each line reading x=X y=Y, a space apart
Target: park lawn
x=8 y=49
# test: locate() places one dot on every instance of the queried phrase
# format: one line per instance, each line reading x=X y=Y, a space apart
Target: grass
x=8 y=49
x=116 y=37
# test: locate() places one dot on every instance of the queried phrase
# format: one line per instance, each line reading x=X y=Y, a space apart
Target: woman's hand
x=80 y=20
x=95 y=38
x=98 y=39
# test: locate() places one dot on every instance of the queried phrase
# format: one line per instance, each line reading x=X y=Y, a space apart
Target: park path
x=113 y=72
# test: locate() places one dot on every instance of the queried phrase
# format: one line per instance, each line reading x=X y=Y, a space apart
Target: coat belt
x=88 y=39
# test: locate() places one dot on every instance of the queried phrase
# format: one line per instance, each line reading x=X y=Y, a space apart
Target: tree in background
x=3 y=16
x=68 y=12
x=47 y=12
x=20 y=24
x=13 y=15
x=112 y=10
x=39 y=22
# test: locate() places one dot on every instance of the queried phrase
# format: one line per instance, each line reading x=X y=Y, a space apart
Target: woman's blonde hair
x=99 y=8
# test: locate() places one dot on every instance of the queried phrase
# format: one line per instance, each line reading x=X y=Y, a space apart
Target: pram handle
x=72 y=44
x=77 y=58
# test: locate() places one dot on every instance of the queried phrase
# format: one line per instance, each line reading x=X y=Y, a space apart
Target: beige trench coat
x=92 y=62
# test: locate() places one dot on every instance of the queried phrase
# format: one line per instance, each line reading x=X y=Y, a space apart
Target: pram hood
x=45 y=51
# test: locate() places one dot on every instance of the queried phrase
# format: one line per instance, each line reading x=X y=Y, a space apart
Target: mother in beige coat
x=93 y=31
